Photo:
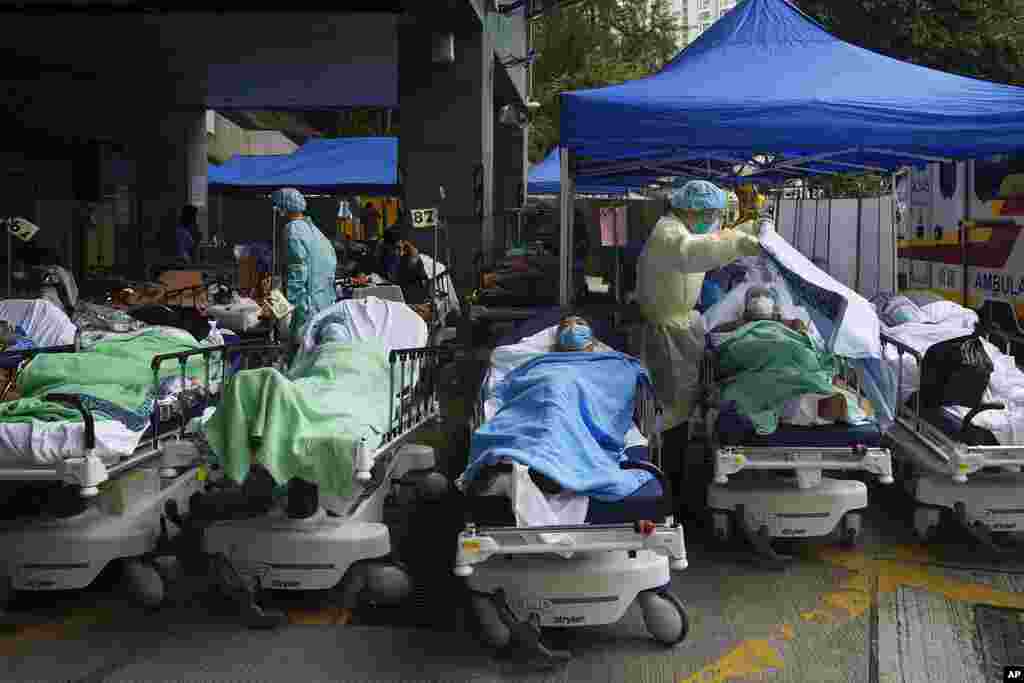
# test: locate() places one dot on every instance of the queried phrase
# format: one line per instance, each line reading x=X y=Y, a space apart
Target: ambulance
x=959 y=235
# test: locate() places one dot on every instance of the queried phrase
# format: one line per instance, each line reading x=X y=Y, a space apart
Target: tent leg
x=567 y=193
x=860 y=215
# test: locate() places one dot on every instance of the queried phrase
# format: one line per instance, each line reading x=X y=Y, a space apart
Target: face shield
x=700 y=204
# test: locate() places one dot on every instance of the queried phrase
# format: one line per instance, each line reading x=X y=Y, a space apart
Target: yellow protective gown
x=670 y=274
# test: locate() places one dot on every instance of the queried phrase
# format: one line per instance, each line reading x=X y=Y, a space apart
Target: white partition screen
x=855 y=247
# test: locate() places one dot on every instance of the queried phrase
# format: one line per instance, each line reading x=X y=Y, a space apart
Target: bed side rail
x=808 y=462
x=1008 y=340
x=216 y=372
x=963 y=460
x=415 y=379
x=198 y=294
x=14 y=361
x=476 y=546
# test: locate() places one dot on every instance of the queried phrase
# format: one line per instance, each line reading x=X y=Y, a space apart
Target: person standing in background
x=186 y=234
x=311 y=260
x=371 y=219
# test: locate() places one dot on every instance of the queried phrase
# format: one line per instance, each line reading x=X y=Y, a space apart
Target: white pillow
x=950 y=313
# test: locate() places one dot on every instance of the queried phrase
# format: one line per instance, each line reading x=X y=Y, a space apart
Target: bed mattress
x=1006 y=385
x=643 y=504
x=43 y=444
x=735 y=430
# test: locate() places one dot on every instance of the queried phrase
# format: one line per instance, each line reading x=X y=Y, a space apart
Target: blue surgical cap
x=289 y=199
x=697 y=194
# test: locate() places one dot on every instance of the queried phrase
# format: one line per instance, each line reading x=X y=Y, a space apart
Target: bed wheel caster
x=721 y=524
x=926 y=523
x=761 y=539
x=978 y=530
x=145 y=583
x=6 y=593
x=238 y=591
x=501 y=630
x=850 y=529
x=664 y=616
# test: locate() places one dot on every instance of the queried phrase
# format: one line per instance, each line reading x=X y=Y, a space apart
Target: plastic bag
x=955 y=372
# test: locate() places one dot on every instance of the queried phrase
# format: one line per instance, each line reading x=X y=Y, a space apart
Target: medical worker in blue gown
x=683 y=246
x=311 y=261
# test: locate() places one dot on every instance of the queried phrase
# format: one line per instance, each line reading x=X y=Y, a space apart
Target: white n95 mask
x=760 y=308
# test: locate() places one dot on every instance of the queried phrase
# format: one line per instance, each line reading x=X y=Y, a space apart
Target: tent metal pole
x=965 y=235
x=778 y=208
x=860 y=216
x=828 y=239
x=878 y=282
x=892 y=237
x=798 y=224
x=10 y=266
x=567 y=192
x=814 y=236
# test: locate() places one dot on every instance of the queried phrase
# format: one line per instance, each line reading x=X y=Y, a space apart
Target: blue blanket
x=566 y=415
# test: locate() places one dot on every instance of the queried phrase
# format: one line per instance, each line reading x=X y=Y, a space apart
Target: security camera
x=514 y=115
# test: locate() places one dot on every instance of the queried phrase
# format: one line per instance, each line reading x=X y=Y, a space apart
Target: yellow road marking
x=850 y=600
x=319 y=616
x=14 y=638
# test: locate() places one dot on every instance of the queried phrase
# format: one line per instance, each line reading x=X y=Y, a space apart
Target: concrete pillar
x=446 y=134
x=508 y=176
x=169 y=160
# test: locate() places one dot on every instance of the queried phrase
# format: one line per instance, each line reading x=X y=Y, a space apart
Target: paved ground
x=890 y=611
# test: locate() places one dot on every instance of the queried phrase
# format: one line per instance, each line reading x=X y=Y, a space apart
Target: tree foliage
x=977 y=38
x=591 y=45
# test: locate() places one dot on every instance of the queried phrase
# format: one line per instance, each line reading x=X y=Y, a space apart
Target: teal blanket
x=766 y=364
x=114 y=379
x=305 y=425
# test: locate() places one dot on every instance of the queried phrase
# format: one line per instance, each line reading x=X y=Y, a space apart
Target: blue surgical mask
x=705 y=227
x=575 y=337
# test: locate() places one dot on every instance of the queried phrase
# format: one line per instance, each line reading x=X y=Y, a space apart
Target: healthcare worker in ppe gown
x=311 y=261
x=683 y=246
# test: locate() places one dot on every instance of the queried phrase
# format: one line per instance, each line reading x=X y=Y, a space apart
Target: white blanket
x=858 y=334
x=44 y=323
x=1005 y=386
x=43 y=444
x=532 y=506
x=372 y=318
x=442 y=272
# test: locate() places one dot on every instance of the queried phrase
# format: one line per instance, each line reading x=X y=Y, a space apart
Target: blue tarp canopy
x=339 y=166
x=767 y=79
x=545 y=178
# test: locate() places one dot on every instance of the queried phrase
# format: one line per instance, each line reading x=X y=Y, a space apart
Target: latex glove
x=747 y=245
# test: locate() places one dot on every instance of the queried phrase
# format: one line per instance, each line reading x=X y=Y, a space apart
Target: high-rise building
x=697 y=16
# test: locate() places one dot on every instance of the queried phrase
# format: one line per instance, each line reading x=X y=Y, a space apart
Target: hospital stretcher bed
x=99 y=505
x=522 y=578
x=324 y=542
x=804 y=505
x=951 y=460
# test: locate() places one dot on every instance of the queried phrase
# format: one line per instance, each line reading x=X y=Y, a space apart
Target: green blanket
x=114 y=379
x=308 y=424
x=767 y=364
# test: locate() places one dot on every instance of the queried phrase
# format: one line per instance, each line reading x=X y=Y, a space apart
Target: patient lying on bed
x=558 y=425
x=805 y=380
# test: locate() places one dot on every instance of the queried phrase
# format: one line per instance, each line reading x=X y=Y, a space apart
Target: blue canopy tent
x=326 y=166
x=337 y=166
x=767 y=80
x=544 y=178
